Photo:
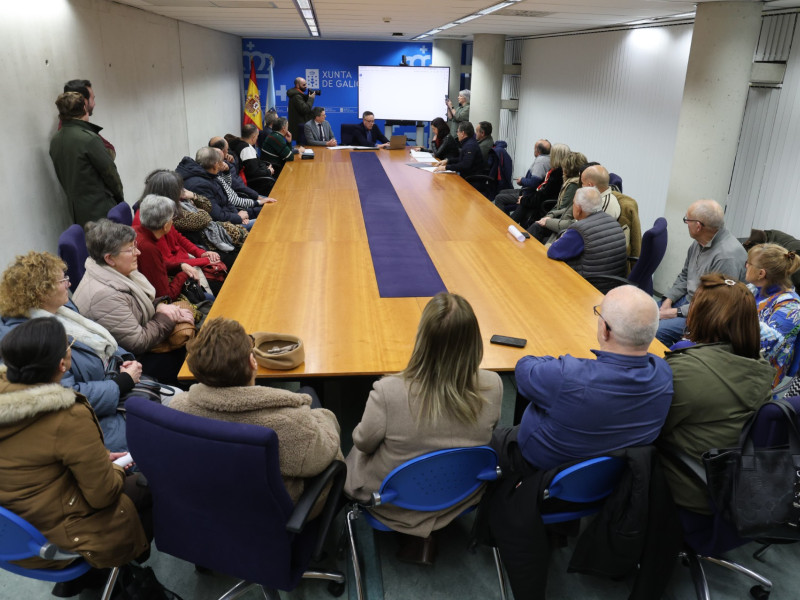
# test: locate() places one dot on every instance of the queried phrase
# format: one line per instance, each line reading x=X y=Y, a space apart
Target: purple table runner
x=403 y=268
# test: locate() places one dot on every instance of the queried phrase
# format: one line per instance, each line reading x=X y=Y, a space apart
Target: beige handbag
x=278 y=350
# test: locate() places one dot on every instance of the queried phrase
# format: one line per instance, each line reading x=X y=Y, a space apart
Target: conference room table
x=306 y=270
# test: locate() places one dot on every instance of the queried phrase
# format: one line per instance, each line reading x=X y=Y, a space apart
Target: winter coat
x=56 y=474
x=112 y=304
x=85 y=170
x=308 y=439
x=389 y=435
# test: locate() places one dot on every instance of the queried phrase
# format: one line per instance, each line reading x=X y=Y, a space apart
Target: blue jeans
x=249 y=225
x=671 y=330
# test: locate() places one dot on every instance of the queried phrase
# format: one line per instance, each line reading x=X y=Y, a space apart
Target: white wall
x=615 y=96
x=163 y=89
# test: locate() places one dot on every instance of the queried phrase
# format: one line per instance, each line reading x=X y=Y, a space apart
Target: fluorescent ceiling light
x=303 y=3
x=448 y=26
x=432 y=32
x=306 y=10
x=466 y=19
x=494 y=8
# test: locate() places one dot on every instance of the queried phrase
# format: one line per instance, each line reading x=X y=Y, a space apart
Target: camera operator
x=300 y=105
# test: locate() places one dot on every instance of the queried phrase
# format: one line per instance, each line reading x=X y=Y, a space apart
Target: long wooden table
x=306 y=269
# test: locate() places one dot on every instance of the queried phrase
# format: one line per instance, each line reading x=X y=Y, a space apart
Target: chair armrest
x=335 y=472
x=548 y=204
x=689 y=465
x=50 y=551
x=265 y=178
x=619 y=280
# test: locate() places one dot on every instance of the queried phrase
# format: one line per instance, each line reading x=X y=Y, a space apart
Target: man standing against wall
x=300 y=106
x=84 y=88
x=83 y=165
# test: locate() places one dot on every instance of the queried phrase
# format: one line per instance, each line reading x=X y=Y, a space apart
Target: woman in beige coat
x=54 y=471
x=441 y=400
x=221 y=358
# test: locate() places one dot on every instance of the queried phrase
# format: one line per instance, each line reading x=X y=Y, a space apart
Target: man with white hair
x=714 y=250
x=456 y=116
x=578 y=408
x=594 y=245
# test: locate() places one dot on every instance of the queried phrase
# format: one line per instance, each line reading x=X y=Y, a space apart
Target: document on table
x=422 y=156
x=433 y=170
x=353 y=148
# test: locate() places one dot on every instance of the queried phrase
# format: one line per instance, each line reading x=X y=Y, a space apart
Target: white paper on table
x=433 y=170
x=422 y=156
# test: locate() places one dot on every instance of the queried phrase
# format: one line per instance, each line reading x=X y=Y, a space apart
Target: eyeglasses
x=252 y=340
x=131 y=250
x=597 y=312
x=687 y=220
x=71 y=341
x=65 y=280
x=369 y=120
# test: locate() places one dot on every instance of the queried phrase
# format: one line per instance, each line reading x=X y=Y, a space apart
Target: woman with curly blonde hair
x=35 y=285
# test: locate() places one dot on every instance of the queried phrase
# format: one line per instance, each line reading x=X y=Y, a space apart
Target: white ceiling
x=366 y=19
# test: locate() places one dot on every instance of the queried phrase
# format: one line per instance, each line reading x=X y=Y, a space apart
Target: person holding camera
x=300 y=106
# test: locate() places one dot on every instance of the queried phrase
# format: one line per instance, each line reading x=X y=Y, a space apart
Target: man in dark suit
x=318 y=131
x=366 y=134
x=470 y=159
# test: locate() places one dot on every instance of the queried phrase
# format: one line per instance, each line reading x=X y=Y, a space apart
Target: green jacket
x=85 y=170
x=715 y=392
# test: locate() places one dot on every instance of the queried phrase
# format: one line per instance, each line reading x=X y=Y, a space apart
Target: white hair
x=589 y=200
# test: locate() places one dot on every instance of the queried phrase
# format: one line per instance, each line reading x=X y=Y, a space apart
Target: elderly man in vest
x=594 y=245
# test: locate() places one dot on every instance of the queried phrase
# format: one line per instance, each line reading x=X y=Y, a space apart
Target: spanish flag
x=252 y=104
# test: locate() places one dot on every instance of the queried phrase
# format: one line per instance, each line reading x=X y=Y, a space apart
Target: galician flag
x=252 y=104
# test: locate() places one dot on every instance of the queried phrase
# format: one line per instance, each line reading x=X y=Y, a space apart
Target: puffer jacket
x=56 y=474
x=114 y=307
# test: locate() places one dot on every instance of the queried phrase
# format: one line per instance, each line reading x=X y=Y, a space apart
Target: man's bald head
x=542 y=147
x=708 y=212
x=595 y=176
x=632 y=316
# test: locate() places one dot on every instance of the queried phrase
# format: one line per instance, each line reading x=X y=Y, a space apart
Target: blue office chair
x=654 y=246
x=72 y=250
x=708 y=537
x=431 y=482
x=121 y=213
x=219 y=499
x=586 y=484
x=19 y=540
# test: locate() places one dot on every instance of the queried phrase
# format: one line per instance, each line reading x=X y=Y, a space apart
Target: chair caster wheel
x=337 y=589
x=759 y=593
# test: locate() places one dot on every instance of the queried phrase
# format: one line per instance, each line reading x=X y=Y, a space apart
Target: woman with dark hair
x=442 y=145
x=718 y=379
x=54 y=471
x=440 y=400
x=769 y=270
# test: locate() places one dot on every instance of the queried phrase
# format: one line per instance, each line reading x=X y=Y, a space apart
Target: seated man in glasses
x=714 y=250
x=578 y=408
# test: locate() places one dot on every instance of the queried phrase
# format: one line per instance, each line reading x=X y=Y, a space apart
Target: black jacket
x=360 y=136
x=300 y=106
x=469 y=161
x=200 y=181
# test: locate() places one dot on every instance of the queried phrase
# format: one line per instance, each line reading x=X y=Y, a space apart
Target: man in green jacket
x=83 y=166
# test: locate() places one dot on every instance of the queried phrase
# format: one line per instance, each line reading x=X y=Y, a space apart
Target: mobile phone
x=526 y=234
x=446 y=97
x=504 y=340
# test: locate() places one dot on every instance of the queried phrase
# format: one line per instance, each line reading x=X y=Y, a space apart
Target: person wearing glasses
x=114 y=294
x=34 y=286
x=578 y=408
x=54 y=471
x=366 y=134
x=714 y=249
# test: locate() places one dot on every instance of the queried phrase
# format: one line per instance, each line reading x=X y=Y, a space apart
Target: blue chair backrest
x=218 y=496
x=121 y=213
x=19 y=539
x=588 y=481
x=615 y=180
x=770 y=428
x=654 y=246
x=440 y=479
x=72 y=250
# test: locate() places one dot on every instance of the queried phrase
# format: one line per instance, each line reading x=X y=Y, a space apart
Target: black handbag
x=758 y=489
x=193 y=292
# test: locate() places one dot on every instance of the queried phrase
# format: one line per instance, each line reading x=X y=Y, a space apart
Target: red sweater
x=178 y=249
x=152 y=264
